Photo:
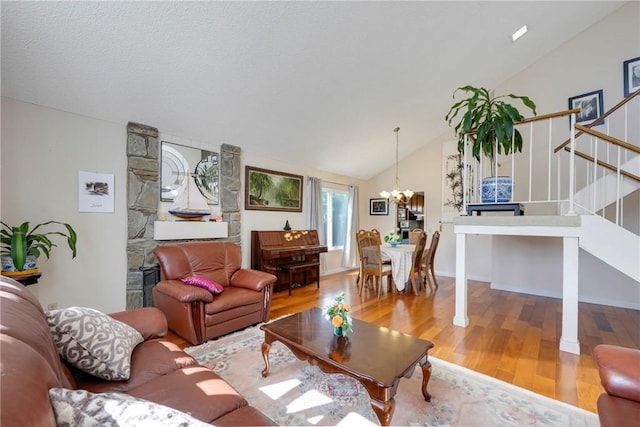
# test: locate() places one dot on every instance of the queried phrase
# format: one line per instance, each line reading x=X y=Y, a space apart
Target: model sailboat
x=189 y=203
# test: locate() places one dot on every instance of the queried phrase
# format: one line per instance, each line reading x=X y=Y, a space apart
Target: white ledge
x=179 y=230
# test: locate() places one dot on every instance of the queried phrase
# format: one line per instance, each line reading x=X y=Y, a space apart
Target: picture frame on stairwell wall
x=631 y=72
x=591 y=107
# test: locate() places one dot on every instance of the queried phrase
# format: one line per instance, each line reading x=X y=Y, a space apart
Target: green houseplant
x=490 y=118
x=21 y=242
x=489 y=122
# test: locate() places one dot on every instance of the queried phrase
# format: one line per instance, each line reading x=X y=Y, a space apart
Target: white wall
x=43 y=150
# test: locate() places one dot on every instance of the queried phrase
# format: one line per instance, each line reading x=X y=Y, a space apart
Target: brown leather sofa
x=160 y=371
x=196 y=314
x=619 y=369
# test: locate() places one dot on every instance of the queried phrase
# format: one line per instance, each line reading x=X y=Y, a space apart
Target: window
x=334 y=204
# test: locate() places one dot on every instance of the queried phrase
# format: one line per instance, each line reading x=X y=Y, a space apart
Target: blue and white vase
x=29 y=263
x=503 y=185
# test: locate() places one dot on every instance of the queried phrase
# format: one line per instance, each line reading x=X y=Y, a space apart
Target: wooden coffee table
x=375 y=356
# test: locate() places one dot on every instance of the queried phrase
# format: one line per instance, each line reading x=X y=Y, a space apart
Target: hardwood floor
x=512 y=337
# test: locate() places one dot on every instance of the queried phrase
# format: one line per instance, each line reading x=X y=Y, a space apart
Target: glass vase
x=337 y=331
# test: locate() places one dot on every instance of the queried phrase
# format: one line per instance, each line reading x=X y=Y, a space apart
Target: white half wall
x=533 y=265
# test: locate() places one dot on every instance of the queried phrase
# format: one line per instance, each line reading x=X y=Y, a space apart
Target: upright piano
x=292 y=256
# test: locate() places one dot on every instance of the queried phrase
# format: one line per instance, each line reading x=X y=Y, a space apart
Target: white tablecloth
x=401 y=257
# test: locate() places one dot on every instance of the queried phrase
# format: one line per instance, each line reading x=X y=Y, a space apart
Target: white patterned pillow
x=82 y=408
x=94 y=342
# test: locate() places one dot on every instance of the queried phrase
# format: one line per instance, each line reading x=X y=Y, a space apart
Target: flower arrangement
x=338 y=314
x=393 y=237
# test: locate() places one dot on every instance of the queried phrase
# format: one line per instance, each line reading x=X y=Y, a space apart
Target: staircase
x=613 y=173
x=612 y=244
x=603 y=191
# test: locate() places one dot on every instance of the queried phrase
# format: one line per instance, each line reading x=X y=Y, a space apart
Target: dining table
x=401 y=257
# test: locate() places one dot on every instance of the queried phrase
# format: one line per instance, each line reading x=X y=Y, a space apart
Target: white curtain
x=350 y=251
x=315 y=214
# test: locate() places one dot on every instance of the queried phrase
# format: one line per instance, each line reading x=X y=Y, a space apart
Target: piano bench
x=299 y=266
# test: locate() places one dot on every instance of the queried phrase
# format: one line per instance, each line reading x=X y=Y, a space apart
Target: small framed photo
x=631 y=69
x=378 y=206
x=95 y=192
x=591 y=107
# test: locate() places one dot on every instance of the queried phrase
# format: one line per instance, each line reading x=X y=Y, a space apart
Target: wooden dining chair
x=371 y=261
x=360 y=275
x=415 y=235
x=429 y=256
x=415 y=275
x=385 y=260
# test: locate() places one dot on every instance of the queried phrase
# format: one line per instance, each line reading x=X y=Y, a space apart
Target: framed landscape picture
x=631 y=69
x=378 y=206
x=267 y=190
x=591 y=107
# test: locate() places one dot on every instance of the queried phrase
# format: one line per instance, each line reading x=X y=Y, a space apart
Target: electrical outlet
x=52 y=306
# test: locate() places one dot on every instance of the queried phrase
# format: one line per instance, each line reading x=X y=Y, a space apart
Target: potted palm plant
x=21 y=246
x=489 y=123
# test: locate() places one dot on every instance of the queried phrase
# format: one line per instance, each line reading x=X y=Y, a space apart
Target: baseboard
x=558 y=295
x=337 y=270
x=452 y=274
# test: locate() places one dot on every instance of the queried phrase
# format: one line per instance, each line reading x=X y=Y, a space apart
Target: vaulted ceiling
x=321 y=84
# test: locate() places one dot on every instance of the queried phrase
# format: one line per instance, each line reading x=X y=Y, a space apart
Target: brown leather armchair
x=198 y=315
x=619 y=369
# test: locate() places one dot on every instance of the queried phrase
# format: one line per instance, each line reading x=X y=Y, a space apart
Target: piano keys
x=292 y=256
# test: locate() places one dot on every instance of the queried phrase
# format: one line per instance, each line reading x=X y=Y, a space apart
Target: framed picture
x=95 y=192
x=378 y=206
x=631 y=69
x=267 y=190
x=591 y=107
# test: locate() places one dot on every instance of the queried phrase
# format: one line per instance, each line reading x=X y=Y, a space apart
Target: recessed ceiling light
x=521 y=32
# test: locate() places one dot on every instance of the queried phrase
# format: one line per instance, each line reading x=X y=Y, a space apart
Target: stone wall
x=143 y=195
x=230 y=186
x=143 y=190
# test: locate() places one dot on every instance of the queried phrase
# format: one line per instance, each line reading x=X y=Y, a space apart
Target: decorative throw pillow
x=204 y=283
x=94 y=342
x=82 y=408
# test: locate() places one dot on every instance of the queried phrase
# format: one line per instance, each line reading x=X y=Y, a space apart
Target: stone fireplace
x=143 y=195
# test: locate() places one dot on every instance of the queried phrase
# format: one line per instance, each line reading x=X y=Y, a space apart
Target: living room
x=44 y=147
x=40 y=143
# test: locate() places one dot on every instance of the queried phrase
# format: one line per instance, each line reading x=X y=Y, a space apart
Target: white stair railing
x=595 y=167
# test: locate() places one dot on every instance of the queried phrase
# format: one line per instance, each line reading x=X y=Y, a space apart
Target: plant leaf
x=18 y=249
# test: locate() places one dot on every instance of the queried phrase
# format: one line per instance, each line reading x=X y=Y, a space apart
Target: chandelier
x=397 y=196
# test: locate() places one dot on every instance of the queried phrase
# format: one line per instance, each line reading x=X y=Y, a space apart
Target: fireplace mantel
x=181 y=230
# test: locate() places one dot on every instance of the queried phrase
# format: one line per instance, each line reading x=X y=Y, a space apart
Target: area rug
x=296 y=393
